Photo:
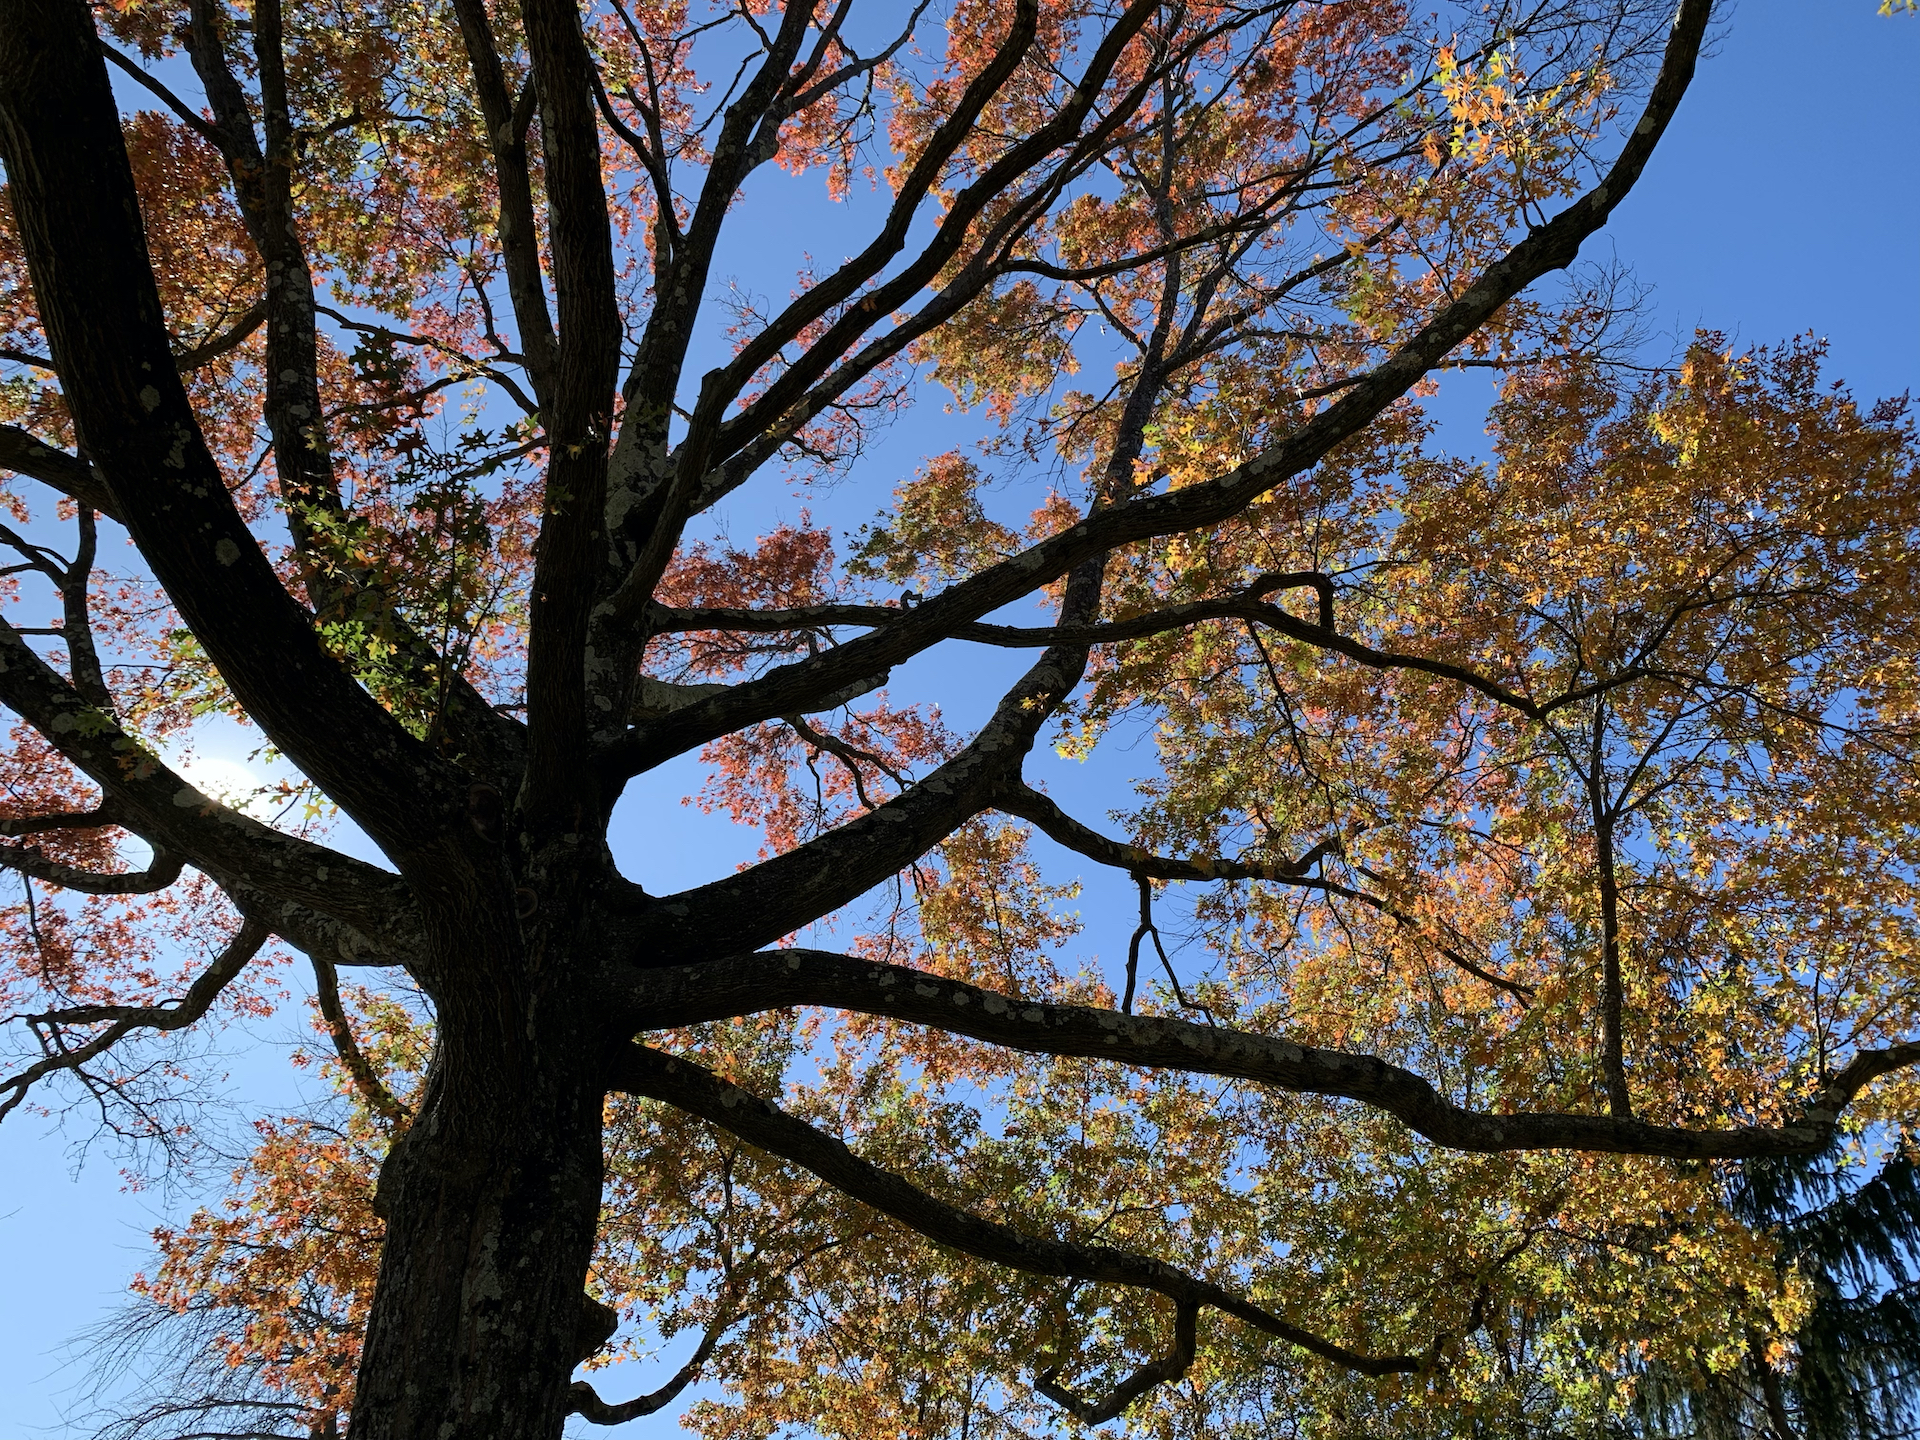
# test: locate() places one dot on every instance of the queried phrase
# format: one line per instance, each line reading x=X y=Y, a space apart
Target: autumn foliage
x=1514 y=1035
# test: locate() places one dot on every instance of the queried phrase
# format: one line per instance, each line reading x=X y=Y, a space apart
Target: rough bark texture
x=492 y=1201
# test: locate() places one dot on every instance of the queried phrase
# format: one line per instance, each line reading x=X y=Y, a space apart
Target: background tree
x=1555 y=809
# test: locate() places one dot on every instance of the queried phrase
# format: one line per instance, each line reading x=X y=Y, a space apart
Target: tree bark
x=492 y=1199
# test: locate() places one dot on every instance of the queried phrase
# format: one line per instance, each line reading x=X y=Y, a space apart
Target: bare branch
x=185 y=113
x=152 y=799
x=1146 y=929
x=819 y=300
x=99 y=818
x=1029 y=804
x=76 y=619
x=519 y=240
x=1245 y=606
x=234 y=336
x=577 y=414
x=28 y=357
x=1171 y=1366
x=764 y=902
x=663 y=619
x=122 y=1020
x=190 y=358
x=72 y=476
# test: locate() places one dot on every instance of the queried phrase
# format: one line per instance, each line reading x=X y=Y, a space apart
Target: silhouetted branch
x=759 y=1122
x=161 y=872
x=326 y=989
x=1171 y=1366
x=667 y=997
x=122 y=1020
x=1029 y=804
x=583 y=1400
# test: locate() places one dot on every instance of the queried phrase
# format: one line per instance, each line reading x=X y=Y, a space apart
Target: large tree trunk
x=492 y=1199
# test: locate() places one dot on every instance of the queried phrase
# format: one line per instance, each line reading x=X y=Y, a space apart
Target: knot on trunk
x=595 y=1328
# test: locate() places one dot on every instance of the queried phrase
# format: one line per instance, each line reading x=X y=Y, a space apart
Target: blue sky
x=1783 y=201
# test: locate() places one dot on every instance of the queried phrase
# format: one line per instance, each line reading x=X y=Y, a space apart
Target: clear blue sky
x=1783 y=201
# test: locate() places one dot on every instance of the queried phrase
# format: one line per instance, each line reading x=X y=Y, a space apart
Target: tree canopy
x=1539 y=826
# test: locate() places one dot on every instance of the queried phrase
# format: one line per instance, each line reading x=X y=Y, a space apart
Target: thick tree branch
x=513 y=188
x=86 y=253
x=768 y=900
x=321 y=935
x=697 y=1090
x=663 y=619
x=76 y=617
x=1865 y=1068
x=821 y=299
x=583 y=1400
x=673 y=996
x=161 y=872
x=995 y=181
x=1171 y=1366
x=187 y=358
x=712 y=438
x=32 y=358
x=578 y=416
x=182 y=111
x=98 y=818
x=232 y=338
x=143 y=794
x=651 y=515
x=262 y=182
x=639 y=479
x=72 y=476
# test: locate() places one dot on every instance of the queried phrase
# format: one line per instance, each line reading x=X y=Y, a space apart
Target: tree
x=1851 y=1373
x=1550 y=818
